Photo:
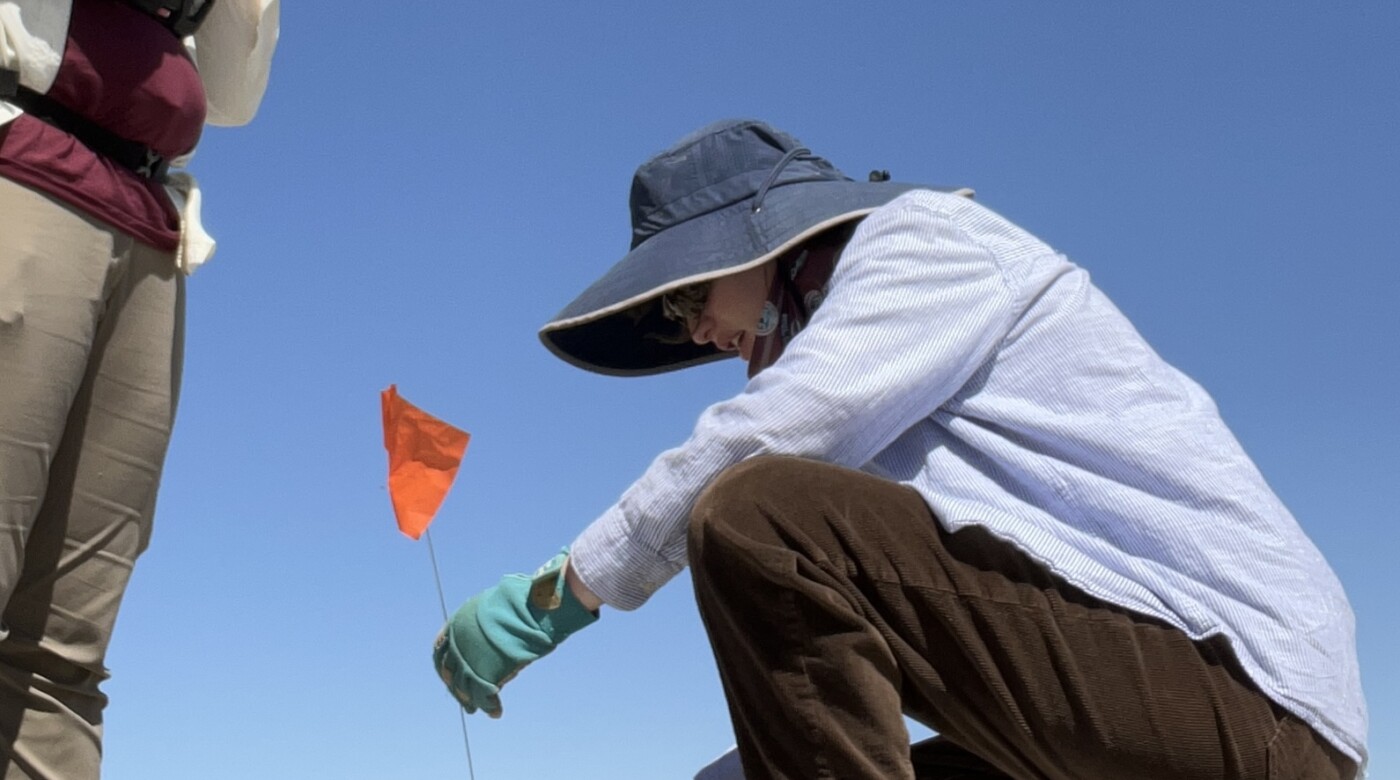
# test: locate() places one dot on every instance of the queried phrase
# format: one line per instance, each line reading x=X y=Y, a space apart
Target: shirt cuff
x=615 y=567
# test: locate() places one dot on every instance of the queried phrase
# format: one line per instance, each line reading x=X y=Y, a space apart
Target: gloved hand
x=503 y=629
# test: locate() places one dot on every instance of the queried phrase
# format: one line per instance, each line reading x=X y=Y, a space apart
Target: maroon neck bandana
x=799 y=287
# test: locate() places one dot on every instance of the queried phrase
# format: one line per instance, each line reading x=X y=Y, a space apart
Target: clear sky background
x=427 y=183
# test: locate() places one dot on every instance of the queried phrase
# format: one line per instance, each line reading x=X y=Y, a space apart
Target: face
x=733 y=309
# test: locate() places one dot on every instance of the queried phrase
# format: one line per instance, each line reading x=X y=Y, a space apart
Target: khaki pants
x=91 y=341
x=836 y=604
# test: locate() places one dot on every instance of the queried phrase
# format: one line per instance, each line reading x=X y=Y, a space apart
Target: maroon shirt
x=127 y=73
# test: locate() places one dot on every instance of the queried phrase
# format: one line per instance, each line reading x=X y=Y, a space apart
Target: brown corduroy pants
x=836 y=604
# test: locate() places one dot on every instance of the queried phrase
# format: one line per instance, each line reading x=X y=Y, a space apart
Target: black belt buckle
x=154 y=167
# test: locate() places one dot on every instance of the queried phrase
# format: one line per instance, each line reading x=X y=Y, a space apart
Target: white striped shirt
x=959 y=355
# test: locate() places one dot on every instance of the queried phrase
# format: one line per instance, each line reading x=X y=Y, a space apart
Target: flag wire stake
x=442 y=601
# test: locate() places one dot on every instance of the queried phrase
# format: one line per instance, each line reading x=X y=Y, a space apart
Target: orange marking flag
x=424 y=453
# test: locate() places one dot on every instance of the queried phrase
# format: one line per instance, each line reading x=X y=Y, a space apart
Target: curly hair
x=685 y=304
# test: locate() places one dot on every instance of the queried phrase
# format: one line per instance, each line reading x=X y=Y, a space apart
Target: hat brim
x=608 y=329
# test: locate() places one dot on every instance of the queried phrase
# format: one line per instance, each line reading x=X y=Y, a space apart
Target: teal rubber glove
x=503 y=629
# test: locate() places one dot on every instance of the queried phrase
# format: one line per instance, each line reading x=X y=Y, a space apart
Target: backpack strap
x=138 y=158
x=183 y=17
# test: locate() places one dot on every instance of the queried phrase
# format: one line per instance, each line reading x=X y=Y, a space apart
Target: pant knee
x=740 y=487
x=742 y=500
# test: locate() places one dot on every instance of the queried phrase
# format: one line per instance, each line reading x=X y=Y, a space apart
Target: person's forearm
x=586 y=597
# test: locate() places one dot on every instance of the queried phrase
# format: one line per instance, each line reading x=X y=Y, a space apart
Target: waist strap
x=138 y=158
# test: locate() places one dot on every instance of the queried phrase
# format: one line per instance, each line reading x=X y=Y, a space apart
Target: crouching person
x=957 y=486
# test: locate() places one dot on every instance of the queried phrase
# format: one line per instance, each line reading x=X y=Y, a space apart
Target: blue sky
x=428 y=183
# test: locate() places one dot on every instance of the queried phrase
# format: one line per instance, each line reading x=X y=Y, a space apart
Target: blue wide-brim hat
x=728 y=197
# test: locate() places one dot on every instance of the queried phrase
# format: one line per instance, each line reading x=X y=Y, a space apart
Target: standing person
x=98 y=99
x=958 y=485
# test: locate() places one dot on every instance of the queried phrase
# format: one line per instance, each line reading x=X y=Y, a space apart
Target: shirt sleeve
x=920 y=299
x=233 y=49
x=32 y=37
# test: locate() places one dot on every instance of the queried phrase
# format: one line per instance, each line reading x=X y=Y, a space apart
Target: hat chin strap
x=792 y=154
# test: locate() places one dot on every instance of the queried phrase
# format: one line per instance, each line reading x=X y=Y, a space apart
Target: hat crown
x=714 y=167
